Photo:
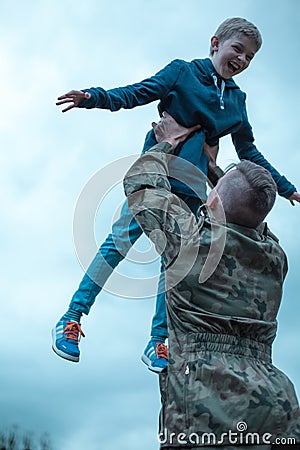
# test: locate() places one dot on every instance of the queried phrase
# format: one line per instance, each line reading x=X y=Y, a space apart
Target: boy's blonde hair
x=235 y=26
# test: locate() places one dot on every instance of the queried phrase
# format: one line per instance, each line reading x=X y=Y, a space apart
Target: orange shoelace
x=162 y=351
x=73 y=331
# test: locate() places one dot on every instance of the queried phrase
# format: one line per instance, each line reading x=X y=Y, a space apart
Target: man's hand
x=168 y=130
x=212 y=153
x=74 y=97
x=295 y=197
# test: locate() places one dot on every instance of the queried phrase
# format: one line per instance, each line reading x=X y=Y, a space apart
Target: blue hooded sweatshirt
x=193 y=93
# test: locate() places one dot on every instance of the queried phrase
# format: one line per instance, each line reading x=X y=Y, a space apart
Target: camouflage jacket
x=223 y=291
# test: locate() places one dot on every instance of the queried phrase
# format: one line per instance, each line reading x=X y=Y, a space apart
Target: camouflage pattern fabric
x=220 y=379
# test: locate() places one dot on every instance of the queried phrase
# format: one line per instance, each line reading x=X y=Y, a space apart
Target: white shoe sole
x=147 y=361
x=60 y=352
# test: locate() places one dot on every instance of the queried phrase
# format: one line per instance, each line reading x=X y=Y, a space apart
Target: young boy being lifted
x=201 y=92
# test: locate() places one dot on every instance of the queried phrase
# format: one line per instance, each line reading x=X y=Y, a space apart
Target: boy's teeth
x=233 y=66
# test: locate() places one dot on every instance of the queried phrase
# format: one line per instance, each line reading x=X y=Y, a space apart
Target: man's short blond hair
x=248 y=194
x=236 y=26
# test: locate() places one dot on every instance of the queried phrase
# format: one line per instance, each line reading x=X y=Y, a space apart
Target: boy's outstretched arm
x=73 y=97
x=127 y=97
x=243 y=141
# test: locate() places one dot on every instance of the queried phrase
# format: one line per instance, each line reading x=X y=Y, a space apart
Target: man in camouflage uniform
x=224 y=276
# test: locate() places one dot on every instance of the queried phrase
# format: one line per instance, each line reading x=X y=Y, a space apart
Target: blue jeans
x=125 y=232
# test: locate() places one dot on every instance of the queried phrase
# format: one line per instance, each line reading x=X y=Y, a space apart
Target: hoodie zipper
x=220 y=92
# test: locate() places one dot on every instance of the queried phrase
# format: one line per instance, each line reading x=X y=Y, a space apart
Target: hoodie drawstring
x=220 y=92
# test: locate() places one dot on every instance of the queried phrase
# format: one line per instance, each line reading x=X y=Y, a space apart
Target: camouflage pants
x=218 y=386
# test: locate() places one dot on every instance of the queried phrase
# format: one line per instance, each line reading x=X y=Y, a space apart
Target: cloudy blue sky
x=109 y=400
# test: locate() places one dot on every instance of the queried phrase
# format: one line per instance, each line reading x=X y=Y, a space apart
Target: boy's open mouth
x=233 y=67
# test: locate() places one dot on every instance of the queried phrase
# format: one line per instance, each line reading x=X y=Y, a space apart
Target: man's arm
x=243 y=141
x=146 y=91
x=163 y=216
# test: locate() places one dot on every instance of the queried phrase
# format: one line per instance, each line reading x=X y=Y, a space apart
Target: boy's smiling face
x=232 y=56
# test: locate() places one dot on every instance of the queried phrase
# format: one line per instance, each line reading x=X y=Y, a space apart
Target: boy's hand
x=295 y=197
x=74 y=97
x=168 y=130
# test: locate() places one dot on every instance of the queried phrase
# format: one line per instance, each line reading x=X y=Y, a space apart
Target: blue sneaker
x=155 y=356
x=65 y=339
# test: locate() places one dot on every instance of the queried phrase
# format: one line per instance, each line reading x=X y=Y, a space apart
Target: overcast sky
x=110 y=400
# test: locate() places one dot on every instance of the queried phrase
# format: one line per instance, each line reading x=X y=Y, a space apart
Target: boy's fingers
x=68 y=95
x=67 y=100
x=295 y=197
x=68 y=108
x=73 y=94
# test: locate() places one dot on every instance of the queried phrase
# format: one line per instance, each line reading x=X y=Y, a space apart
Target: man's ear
x=215 y=43
x=213 y=200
